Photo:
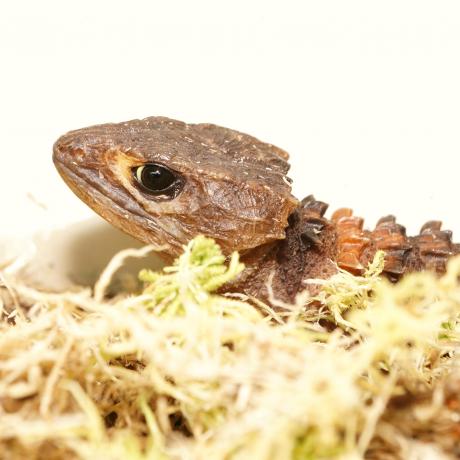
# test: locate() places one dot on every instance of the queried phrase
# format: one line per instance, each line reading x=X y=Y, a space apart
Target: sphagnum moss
x=181 y=372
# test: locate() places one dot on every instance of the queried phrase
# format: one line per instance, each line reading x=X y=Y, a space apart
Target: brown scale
x=429 y=250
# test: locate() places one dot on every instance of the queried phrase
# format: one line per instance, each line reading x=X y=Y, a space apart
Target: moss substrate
x=368 y=369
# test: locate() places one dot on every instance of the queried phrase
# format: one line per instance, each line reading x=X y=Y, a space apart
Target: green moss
x=193 y=374
x=201 y=269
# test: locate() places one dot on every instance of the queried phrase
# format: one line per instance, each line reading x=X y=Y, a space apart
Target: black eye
x=157 y=179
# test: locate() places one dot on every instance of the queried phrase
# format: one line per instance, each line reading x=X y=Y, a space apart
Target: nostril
x=57 y=152
x=64 y=151
x=60 y=154
x=75 y=152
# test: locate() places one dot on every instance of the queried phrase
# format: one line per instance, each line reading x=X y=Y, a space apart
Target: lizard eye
x=157 y=179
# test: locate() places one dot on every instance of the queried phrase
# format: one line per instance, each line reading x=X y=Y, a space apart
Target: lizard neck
x=307 y=252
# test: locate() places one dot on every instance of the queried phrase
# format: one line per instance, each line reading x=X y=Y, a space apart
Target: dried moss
x=181 y=372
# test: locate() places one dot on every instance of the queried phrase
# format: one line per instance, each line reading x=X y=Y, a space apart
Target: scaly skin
x=232 y=187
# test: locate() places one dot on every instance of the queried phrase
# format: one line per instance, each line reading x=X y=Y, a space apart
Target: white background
x=365 y=95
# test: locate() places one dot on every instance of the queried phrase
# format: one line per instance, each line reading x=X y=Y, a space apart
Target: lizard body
x=164 y=182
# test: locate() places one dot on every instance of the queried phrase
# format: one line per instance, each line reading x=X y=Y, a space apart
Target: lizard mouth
x=113 y=203
x=89 y=183
x=95 y=193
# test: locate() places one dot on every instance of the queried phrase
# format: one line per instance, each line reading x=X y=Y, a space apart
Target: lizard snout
x=76 y=150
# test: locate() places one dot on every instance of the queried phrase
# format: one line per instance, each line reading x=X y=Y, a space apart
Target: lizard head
x=165 y=182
